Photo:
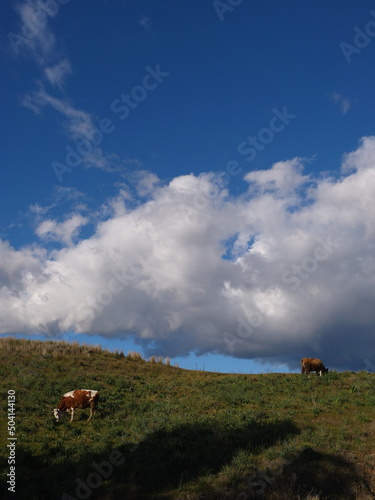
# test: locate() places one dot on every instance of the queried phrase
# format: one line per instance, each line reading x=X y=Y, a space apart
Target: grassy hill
x=167 y=433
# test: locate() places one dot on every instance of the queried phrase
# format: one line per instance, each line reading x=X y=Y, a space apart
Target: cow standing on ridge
x=82 y=398
x=313 y=365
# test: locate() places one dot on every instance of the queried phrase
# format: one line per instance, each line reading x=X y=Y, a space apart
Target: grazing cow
x=83 y=398
x=313 y=365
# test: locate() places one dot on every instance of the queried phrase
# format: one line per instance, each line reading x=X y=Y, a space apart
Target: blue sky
x=190 y=178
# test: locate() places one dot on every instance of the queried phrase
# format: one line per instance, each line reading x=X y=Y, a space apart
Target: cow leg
x=72 y=414
x=92 y=411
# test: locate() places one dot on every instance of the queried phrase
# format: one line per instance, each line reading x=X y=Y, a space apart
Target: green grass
x=182 y=434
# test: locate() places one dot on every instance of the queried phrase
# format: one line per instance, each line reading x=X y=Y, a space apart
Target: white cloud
x=300 y=281
x=40 y=40
x=41 y=44
x=77 y=121
x=64 y=232
x=78 y=124
x=146 y=23
x=58 y=73
x=343 y=102
x=284 y=178
x=146 y=182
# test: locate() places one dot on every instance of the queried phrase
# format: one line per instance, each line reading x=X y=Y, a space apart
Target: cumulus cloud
x=64 y=232
x=146 y=182
x=283 y=271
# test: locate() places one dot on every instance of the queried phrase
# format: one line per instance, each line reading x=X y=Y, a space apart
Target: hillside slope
x=166 y=433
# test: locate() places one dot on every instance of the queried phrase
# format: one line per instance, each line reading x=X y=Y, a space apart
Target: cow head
x=323 y=370
x=58 y=414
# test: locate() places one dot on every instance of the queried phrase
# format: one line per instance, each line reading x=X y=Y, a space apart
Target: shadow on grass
x=164 y=460
x=169 y=459
x=328 y=475
x=310 y=474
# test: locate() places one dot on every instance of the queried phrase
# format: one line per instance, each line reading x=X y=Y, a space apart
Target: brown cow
x=83 y=398
x=313 y=365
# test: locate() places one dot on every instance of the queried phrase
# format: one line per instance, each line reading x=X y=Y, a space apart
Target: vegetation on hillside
x=166 y=433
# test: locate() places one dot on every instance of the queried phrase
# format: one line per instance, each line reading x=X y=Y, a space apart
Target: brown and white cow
x=83 y=398
x=313 y=365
